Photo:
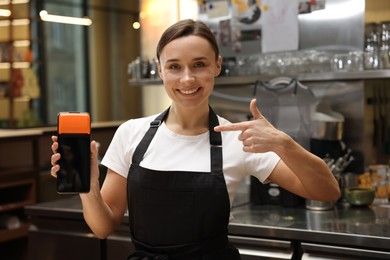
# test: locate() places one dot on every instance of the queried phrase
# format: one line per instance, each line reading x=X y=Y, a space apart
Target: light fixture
x=64 y=19
x=15 y=22
x=5 y=65
x=136 y=25
x=14 y=2
x=5 y=12
x=15 y=65
x=21 y=43
x=21 y=65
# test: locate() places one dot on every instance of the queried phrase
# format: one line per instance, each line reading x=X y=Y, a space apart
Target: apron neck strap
x=146 y=140
x=215 y=143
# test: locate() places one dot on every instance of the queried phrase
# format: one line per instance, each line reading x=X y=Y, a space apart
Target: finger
x=54 y=159
x=54 y=170
x=54 y=146
x=254 y=110
x=232 y=127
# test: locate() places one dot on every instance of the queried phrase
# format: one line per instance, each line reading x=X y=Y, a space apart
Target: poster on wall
x=280 y=25
x=246 y=27
x=236 y=25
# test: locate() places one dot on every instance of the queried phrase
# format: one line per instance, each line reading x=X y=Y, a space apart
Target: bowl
x=359 y=196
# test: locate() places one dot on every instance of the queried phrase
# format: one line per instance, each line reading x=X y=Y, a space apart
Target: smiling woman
x=185 y=164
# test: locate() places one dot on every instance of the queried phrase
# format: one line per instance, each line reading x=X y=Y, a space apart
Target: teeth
x=188 y=92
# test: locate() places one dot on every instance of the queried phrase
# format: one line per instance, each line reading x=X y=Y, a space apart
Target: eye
x=199 y=65
x=174 y=66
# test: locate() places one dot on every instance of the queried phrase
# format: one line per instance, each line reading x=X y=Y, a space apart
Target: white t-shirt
x=170 y=151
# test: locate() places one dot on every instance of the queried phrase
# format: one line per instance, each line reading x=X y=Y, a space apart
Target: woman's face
x=188 y=67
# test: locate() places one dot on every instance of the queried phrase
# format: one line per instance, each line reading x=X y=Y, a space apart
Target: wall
x=377 y=10
x=113 y=44
x=156 y=16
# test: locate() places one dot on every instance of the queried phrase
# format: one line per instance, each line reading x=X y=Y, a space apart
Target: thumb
x=254 y=110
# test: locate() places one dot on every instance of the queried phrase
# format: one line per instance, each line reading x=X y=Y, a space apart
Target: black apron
x=179 y=214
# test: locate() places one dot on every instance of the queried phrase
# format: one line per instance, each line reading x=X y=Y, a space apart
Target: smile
x=188 y=91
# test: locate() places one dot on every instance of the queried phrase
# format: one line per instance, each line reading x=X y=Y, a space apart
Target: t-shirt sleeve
x=117 y=156
x=261 y=169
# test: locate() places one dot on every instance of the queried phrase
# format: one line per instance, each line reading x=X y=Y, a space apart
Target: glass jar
x=380 y=180
x=384 y=50
x=371 y=46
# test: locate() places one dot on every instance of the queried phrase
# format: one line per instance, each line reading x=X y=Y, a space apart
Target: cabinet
x=18 y=84
x=18 y=188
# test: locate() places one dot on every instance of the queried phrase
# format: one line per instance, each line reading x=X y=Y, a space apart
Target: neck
x=188 y=121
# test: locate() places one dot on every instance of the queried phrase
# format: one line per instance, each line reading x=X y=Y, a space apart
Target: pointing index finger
x=231 y=127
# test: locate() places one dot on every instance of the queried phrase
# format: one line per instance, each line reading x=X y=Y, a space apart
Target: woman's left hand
x=257 y=135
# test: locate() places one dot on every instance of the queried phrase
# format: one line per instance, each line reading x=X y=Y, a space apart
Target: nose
x=187 y=76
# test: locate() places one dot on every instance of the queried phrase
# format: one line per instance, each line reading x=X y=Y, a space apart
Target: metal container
x=319 y=205
x=327 y=130
x=326 y=124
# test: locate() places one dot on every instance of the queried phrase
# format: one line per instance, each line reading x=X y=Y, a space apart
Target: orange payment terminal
x=74 y=129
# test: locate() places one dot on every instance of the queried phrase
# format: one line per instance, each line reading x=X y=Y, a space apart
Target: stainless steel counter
x=345 y=226
x=362 y=230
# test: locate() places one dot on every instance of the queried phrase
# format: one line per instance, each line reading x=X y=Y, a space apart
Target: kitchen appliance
x=286 y=103
x=272 y=194
x=326 y=132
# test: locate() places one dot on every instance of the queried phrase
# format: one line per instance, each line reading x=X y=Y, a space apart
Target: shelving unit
x=15 y=56
x=249 y=79
x=19 y=172
x=13 y=197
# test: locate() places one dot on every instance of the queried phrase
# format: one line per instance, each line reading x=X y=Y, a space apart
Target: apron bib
x=179 y=214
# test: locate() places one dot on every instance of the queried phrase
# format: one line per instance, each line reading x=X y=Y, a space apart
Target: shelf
x=10 y=234
x=250 y=79
x=144 y=82
x=17 y=194
x=26 y=170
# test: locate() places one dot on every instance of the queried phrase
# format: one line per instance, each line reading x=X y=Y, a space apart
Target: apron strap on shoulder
x=145 y=142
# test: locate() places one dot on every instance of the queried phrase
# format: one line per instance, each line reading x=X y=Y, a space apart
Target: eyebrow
x=196 y=59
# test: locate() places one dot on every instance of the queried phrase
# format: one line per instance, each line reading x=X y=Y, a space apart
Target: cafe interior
x=320 y=69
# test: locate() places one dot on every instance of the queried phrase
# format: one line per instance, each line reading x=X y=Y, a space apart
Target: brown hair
x=183 y=28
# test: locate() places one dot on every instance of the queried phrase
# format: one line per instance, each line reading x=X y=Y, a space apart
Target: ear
x=159 y=69
x=218 y=66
